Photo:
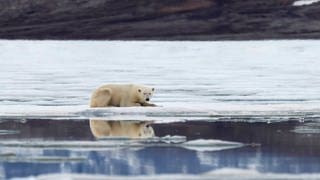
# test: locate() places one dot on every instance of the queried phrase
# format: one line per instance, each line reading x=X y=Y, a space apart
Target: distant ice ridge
x=305 y=2
x=169 y=113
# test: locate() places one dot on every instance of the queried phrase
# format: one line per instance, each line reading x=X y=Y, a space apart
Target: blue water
x=165 y=161
x=268 y=148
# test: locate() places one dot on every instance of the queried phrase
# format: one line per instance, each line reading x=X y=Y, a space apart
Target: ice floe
x=305 y=2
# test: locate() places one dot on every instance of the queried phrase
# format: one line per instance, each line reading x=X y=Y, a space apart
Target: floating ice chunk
x=173 y=139
x=110 y=143
x=7 y=132
x=233 y=171
x=304 y=2
x=237 y=173
x=210 y=145
x=225 y=173
x=308 y=128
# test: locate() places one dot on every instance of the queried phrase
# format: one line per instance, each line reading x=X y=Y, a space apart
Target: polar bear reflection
x=130 y=129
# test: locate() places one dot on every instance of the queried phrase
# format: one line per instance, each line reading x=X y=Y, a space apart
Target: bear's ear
x=139 y=90
x=152 y=89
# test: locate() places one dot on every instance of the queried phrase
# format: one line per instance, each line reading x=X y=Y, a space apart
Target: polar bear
x=121 y=95
x=130 y=129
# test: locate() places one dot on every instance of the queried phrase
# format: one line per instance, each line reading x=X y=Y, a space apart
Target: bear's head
x=145 y=94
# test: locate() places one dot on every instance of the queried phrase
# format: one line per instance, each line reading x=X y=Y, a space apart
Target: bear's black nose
x=147 y=99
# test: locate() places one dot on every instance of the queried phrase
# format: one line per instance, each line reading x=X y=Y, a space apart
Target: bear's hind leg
x=101 y=98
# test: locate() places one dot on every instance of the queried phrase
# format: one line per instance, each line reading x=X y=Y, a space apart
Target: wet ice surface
x=231 y=107
x=55 y=78
x=55 y=73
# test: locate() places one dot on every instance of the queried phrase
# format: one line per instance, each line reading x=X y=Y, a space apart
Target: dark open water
x=283 y=147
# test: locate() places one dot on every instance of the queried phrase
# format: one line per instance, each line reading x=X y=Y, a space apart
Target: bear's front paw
x=149 y=104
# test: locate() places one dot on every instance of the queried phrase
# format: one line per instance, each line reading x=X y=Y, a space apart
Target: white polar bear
x=121 y=95
x=130 y=129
